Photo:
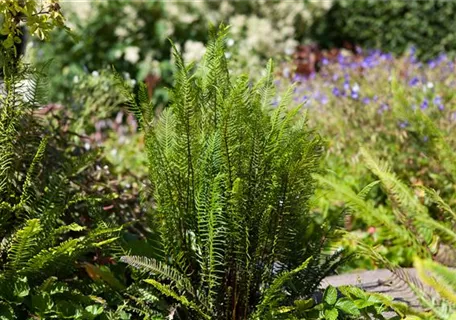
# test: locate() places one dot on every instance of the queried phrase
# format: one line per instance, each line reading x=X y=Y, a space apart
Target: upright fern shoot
x=231 y=177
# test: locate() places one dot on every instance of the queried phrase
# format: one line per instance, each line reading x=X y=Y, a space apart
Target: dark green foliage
x=390 y=25
x=50 y=220
x=231 y=177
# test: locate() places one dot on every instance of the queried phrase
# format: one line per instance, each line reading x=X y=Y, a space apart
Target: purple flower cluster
x=364 y=79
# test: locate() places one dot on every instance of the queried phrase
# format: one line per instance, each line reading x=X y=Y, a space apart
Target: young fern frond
x=366 y=211
x=409 y=211
x=48 y=260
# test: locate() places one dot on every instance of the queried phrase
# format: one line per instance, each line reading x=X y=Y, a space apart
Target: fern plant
x=46 y=239
x=231 y=177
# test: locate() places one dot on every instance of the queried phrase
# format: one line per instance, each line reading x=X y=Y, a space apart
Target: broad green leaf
x=67 y=309
x=94 y=310
x=302 y=305
x=347 y=306
x=330 y=295
x=361 y=303
x=8 y=42
x=352 y=291
x=331 y=314
x=42 y=302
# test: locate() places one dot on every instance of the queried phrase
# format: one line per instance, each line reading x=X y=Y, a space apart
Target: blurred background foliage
x=370 y=73
x=340 y=78
x=132 y=37
x=391 y=26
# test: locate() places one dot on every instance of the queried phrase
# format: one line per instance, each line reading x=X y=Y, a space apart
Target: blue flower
x=354 y=95
x=414 y=81
x=341 y=59
x=424 y=104
x=383 y=107
x=403 y=124
x=442 y=57
x=413 y=58
x=432 y=64
x=324 y=99
x=438 y=103
x=336 y=92
x=366 y=100
x=298 y=78
x=386 y=56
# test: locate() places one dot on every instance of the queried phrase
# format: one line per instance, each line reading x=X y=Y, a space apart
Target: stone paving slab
x=381 y=281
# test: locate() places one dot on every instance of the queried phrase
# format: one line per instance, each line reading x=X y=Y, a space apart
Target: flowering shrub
x=352 y=104
x=133 y=37
x=391 y=25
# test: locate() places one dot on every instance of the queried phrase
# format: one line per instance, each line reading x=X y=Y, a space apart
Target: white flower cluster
x=193 y=51
x=259 y=30
x=269 y=30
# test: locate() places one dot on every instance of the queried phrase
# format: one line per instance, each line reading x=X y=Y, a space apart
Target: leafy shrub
x=231 y=177
x=390 y=25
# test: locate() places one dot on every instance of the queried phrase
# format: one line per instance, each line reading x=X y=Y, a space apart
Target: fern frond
x=48 y=260
x=167 y=290
x=440 y=278
x=134 y=106
x=274 y=294
x=161 y=270
x=231 y=179
x=27 y=196
x=23 y=245
x=437 y=199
